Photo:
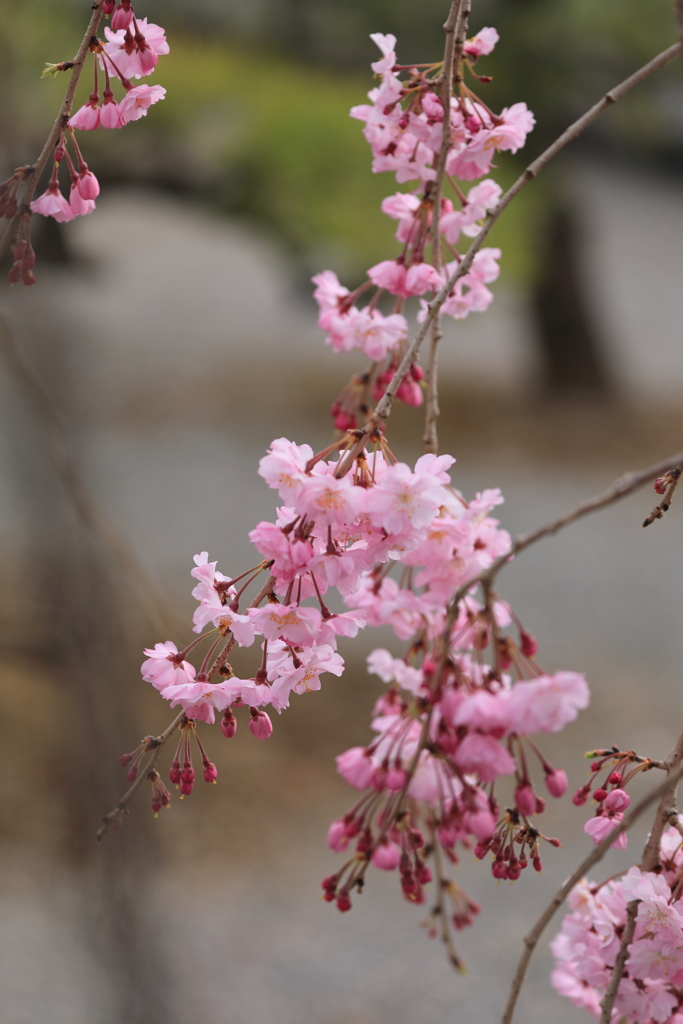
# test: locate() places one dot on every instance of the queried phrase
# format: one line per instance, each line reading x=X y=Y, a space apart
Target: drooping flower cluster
x=404 y=124
x=461 y=705
x=587 y=946
x=132 y=50
x=609 y=793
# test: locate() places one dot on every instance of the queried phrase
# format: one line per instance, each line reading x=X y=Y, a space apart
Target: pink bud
x=617 y=800
x=174 y=773
x=228 y=724
x=556 y=782
x=123 y=15
x=615 y=779
x=525 y=798
x=148 y=59
x=108 y=6
x=482 y=824
x=600 y=795
x=581 y=796
x=416 y=372
x=88 y=185
x=343 y=901
x=210 y=771
x=499 y=868
x=337 y=838
x=396 y=779
x=260 y=724
x=386 y=857
x=514 y=870
x=110 y=114
x=424 y=875
x=528 y=644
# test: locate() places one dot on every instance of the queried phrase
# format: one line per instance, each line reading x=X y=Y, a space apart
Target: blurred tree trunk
x=89 y=625
x=572 y=355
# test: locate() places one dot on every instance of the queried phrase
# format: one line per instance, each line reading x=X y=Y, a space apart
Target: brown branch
x=596 y=855
x=383 y=409
x=112 y=819
x=622 y=486
x=54 y=440
x=664 y=505
x=159 y=742
x=610 y=995
x=455 y=28
x=57 y=128
x=679 y=23
x=650 y=861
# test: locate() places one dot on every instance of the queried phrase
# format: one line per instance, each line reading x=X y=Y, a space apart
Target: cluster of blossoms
x=609 y=792
x=132 y=50
x=402 y=548
x=404 y=124
x=651 y=989
x=461 y=705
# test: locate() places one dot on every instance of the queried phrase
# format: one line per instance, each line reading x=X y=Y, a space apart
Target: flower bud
x=228 y=724
x=337 y=839
x=210 y=771
x=525 y=799
x=618 y=800
x=556 y=782
x=600 y=795
x=396 y=779
x=343 y=901
x=615 y=779
x=581 y=796
x=260 y=724
x=123 y=15
x=528 y=644
x=386 y=857
x=88 y=185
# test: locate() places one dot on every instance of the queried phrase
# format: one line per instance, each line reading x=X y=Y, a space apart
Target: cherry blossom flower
x=163 y=667
x=134 y=54
x=53 y=204
x=481 y=44
x=87 y=117
x=138 y=100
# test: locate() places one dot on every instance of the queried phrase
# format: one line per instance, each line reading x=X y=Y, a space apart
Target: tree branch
x=53 y=437
x=456 y=33
x=383 y=409
x=57 y=128
x=650 y=861
x=622 y=486
x=596 y=855
x=112 y=819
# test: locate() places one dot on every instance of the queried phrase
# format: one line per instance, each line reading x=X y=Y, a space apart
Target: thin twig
x=679 y=23
x=622 y=486
x=159 y=742
x=664 y=505
x=442 y=884
x=610 y=995
x=54 y=439
x=596 y=855
x=455 y=28
x=384 y=406
x=112 y=819
x=57 y=128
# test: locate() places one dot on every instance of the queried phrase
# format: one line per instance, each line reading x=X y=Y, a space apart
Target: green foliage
x=262 y=129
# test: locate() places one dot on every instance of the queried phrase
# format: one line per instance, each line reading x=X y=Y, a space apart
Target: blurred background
x=170 y=337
